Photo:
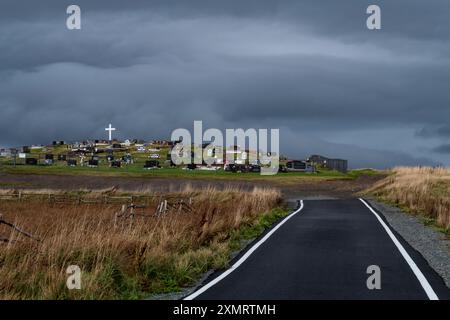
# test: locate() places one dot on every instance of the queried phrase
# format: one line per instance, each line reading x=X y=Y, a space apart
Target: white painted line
x=423 y=281
x=243 y=258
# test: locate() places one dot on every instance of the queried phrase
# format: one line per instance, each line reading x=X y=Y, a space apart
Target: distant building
x=332 y=164
x=299 y=166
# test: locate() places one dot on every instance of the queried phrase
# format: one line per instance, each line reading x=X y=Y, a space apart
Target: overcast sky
x=311 y=68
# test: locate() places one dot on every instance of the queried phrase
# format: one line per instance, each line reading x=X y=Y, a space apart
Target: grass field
x=127 y=258
x=177 y=173
x=423 y=191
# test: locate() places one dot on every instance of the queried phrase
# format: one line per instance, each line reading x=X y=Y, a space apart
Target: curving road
x=322 y=251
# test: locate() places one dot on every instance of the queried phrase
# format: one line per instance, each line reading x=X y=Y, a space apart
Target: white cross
x=110 y=129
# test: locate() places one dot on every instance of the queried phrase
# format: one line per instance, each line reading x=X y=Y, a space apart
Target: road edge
x=247 y=252
x=429 y=243
x=411 y=263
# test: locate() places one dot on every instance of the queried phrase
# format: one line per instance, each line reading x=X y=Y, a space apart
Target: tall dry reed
x=422 y=190
x=124 y=258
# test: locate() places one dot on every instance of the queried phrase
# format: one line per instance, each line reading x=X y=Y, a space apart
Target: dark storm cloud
x=431 y=132
x=410 y=19
x=152 y=66
x=442 y=149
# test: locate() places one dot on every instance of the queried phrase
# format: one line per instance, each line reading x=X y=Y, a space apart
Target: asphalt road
x=322 y=252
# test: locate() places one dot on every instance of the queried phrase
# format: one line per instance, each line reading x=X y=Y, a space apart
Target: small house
x=328 y=163
x=298 y=166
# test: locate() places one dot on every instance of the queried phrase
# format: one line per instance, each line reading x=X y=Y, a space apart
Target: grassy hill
x=136 y=169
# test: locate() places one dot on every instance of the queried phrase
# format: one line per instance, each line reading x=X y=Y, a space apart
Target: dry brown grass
x=422 y=190
x=126 y=259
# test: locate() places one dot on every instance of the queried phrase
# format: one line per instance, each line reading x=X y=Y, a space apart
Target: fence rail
x=67 y=198
x=88 y=198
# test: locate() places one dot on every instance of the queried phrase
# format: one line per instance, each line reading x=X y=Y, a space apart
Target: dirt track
x=304 y=189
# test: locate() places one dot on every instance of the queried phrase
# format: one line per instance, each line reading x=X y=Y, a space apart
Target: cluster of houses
x=116 y=154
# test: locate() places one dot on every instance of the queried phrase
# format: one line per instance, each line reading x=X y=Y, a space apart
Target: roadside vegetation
x=128 y=257
x=423 y=191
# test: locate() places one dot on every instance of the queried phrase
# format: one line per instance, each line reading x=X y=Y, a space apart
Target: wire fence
x=90 y=199
x=132 y=207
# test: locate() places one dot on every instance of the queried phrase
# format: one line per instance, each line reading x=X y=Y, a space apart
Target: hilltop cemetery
x=138 y=155
x=92 y=154
x=156 y=154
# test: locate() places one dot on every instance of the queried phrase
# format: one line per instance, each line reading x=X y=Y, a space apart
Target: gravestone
x=151 y=164
x=191 y=166
x=31 y=161
x=116 y=164
x=49 y=159
x=93 y=163
x=127 y=158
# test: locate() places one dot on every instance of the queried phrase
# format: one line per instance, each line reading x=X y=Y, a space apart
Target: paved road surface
x=322 y=252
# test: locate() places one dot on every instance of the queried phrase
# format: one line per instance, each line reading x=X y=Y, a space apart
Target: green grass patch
x=367 y=172
x=253 y=230
x=137 y=170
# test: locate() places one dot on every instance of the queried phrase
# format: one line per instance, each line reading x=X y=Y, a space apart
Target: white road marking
x=243 y=258
x=423 y=281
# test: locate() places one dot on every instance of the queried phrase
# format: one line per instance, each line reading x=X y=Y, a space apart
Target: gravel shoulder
x=430 y=243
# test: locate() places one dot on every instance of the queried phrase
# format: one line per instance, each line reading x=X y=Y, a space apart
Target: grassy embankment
x=124 y=258
x=137 y=171
x=423 y=191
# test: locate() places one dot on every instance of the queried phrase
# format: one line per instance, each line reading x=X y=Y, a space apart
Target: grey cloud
x=152 y=66
x=442 y=149
x=410 y=18
x=304 y=145
x=431 y=132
